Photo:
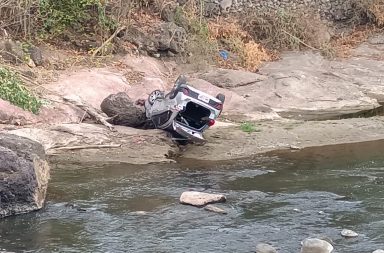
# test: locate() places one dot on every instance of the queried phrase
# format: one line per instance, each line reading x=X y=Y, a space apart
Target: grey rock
x=142 y=41
x=265 y=248
x=349 y=233
x=36 y=55
x=172 y=38
x=123 y=111
x=225 y=5
x=24 y=174
x=314 y=245
x=215 y=209
x=212 y=9
x=12 y=51
x=195 y=198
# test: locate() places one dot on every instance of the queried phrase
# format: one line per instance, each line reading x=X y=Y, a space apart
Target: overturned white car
x=185 y=111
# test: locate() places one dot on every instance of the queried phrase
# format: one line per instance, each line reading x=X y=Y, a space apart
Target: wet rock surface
x=348 y=233
x=314 y=245
x=215 y=209
x=24 y=174
x=265 y=248
x=200 y=198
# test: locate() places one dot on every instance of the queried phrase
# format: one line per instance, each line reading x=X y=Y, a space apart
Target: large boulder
x=24 y=175
x=123 y=111
x=172 y=38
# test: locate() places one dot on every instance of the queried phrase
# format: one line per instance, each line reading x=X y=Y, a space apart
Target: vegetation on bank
x=249 y=127
x=13 y=90
x=228 y=41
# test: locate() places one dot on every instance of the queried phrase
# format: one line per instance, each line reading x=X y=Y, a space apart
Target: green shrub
x=249 y=127
x=58 y=16
x=13 y=90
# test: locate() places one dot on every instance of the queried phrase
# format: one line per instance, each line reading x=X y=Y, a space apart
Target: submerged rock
x=314 y=245
x=200 y=198
x=215 y=209
x=265 y=248
x=24 y=174
x=349 y=233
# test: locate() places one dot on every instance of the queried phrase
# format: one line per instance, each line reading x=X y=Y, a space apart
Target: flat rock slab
x=229 y=78
x=200 y=198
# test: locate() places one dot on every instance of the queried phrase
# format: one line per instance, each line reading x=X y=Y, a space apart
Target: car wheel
x=181 y=80
x=221 y=97
x=155 y=95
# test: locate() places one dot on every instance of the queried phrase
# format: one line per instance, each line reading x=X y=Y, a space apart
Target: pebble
x=265 y=248
x=314 y=245
x=349 y=233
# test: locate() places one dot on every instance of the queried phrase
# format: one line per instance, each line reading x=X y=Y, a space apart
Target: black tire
x=221 y=97
x=181 y=80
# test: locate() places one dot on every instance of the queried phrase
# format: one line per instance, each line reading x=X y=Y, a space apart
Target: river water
x=281 y=199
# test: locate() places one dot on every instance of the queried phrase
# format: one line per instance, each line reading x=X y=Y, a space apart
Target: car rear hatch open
x=194 y=116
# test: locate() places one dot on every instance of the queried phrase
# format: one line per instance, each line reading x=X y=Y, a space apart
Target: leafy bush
x=249 y=127
x=13 y=90
x=57 y=16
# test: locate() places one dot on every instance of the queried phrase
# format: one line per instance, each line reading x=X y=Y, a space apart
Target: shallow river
x=280 y=199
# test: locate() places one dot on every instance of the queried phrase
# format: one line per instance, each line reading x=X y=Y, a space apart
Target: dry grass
x=244 y=53
x=367 y=12
x=16 y=16
x=343 y=45
x=286 y=30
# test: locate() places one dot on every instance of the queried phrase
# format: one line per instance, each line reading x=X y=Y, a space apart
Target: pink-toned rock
x=51 y=113
x=200 y=198
x=91 y=85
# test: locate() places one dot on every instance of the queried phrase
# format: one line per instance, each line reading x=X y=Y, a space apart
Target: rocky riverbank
x=300 y=101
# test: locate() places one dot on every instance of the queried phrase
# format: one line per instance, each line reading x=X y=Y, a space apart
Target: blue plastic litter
x=224 y=54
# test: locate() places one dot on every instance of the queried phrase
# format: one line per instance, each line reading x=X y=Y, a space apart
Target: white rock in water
x=314 y=245
x=265 y=248
x=215 y=209
x=378 y=251
x=349 y=233
x=200 y=198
